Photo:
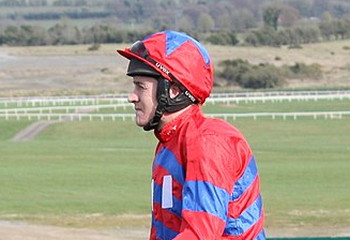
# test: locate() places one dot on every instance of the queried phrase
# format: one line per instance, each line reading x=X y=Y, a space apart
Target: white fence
x=81 y=107
x=281 y=93
x=283 y=115
x=278 y=97
x=67 y=109
x=131 y=116
x=68 y=117
x=214 y=98
x=59 y=101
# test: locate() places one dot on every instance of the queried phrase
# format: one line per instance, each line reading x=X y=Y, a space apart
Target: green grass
x=304 y=167
x=280 y=106
x=79 y=169
x=8 y=129
x=76 y=167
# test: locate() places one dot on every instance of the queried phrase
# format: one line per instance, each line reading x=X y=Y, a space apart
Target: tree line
x=42 y=3
x=62 y=33
x=263 y=22
x=274 y=34
x=189 y=15
x=297 y=35
x=72 y=14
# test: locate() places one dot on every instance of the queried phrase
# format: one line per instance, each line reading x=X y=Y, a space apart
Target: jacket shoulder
x=219 y=127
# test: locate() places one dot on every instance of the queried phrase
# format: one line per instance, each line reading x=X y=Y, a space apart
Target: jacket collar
x=172 y=128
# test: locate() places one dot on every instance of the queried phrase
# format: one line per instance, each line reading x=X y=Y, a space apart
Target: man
x=205 y=183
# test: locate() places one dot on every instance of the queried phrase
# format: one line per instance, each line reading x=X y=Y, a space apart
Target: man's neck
x=167 y=117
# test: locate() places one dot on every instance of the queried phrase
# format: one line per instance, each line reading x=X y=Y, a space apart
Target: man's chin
x=141 y=123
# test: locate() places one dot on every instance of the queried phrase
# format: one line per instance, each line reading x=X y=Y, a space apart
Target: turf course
x=79 y=169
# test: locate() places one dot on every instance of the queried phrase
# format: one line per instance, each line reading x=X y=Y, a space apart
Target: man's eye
x=141 y=86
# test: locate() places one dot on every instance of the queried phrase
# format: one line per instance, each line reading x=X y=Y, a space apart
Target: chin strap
x=168 y=104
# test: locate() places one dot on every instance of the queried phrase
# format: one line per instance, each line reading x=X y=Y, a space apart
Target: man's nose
x=132 y=97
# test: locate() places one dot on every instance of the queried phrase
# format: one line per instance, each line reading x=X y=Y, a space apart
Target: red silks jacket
x=205 y=183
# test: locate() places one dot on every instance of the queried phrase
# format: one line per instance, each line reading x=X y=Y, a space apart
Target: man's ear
x=174 y=91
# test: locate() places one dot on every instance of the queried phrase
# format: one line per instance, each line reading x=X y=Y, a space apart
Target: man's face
x=144 y=98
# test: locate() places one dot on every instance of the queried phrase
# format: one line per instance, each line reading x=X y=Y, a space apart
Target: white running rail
x=128 y=116
x=214 y=98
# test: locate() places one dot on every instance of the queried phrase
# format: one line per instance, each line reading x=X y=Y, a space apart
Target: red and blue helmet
x=177 y=57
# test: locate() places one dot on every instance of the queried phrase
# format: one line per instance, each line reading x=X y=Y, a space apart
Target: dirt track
x=33 y=130
x=22 y=231
x=55 y=73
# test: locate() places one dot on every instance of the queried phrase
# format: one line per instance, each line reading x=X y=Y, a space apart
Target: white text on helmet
x=190 y=96
x=162 y=68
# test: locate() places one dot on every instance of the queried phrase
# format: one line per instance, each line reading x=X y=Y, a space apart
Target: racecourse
x=88 y=173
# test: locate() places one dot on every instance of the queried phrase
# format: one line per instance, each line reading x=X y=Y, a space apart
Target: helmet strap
x=162 y=98
x=168 y=104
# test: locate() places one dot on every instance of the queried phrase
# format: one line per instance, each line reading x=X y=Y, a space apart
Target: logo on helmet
x=162 y=68
x=190 y=96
